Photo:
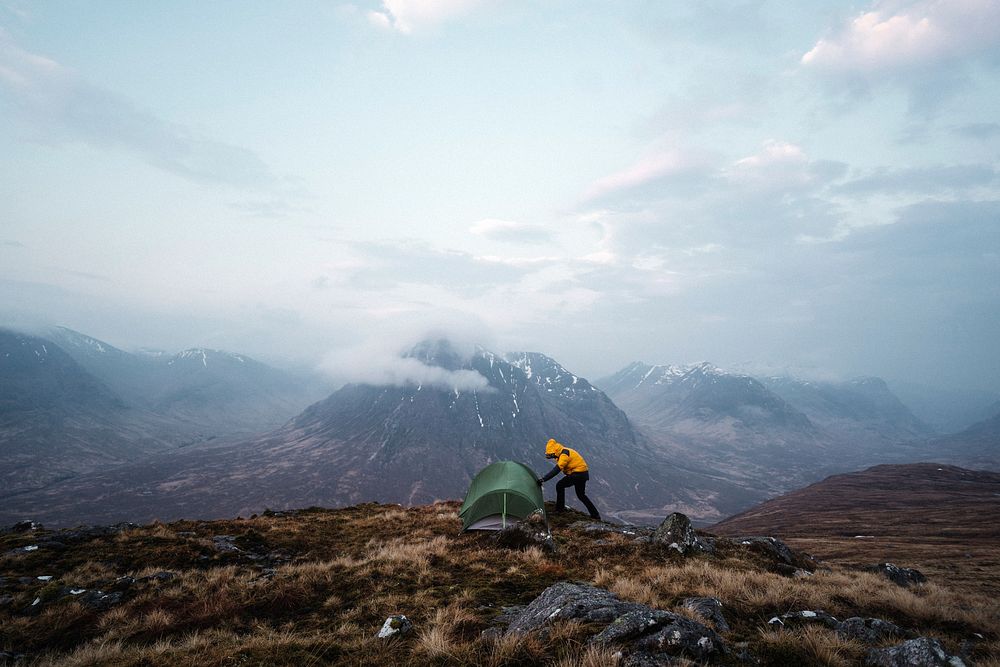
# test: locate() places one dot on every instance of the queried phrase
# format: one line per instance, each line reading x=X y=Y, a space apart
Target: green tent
x=502 y=493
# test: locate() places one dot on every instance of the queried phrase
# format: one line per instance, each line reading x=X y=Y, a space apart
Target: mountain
x=943 y=520
x=948 y=410
x=881 y=501
x=410 y=443
x=207 y=392
x=976 y=447
x=58 y=420
x=730 y=422
x=860 y=411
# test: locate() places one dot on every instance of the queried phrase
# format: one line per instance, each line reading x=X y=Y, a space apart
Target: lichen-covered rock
x=676 y=532
x=919 y=652
x=869 y=630
x=901 y=576
x=804 y=617
x=709 y=609
x=770 y=545
x=395 y=626
x=567 y=600
x=655 y=632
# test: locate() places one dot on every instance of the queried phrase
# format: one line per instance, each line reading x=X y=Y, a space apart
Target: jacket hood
x=552 y=448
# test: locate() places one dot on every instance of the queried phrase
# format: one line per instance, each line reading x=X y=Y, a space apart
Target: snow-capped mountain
x=58 y=420
x=415 y=442
x=208 y=392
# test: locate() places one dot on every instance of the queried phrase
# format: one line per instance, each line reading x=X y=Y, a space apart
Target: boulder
x=395 y=626
x=709 y=609
x=654 y=632
x=677 y=533
x=919 y=652
x=770 y=545
x=567 y=600
x=869 y=630
x=901 y=576
x=604 y=527
x=225 y=543
x=804 y=617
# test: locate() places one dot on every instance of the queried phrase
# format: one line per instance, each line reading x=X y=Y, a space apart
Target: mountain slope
x=207 y=392
x=58 y=420
x=862 y=410
x=727 y=422
x=410 y=444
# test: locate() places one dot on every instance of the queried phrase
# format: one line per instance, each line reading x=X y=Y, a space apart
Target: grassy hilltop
x=314 y=587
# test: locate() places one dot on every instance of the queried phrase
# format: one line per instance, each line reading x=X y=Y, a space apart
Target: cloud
x=898 y=35
x=11 y=244
x=384 y=358
x=924 y=180
x=782 y=166
x=64 y=107
x=978 y=131
x=509 y=231
x=407 y=16
x=657 y=169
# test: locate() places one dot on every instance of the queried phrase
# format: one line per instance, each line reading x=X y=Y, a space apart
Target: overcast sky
x=810 y=186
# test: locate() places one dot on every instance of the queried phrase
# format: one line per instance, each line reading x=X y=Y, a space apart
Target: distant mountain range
x=208 y=391
x=413 y=443
x=93 y=432
x=779 y=432
x=71 y=404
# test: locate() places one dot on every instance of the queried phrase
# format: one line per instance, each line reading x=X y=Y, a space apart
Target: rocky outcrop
x=709 y=609
x=676 y=532
x=570 y=600
x=870 y=630
x=647 y=636
x=901 y=576
x=919 y=652
x=804 y=617
x=654 y=633
x=772 y=546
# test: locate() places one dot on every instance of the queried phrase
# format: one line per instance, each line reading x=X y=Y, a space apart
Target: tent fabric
x=502 y=493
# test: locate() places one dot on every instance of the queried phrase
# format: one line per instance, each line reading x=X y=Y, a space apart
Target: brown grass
x=349 y=569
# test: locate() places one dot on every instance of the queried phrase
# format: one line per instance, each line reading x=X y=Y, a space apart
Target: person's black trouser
x=577 y=480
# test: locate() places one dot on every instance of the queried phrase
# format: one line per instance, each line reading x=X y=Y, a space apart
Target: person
x=576 y=473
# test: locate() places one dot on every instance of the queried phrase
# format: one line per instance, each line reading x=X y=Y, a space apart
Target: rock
x=770 y=545
x=901 y=576
x=805 y=617
x=655 y=632
x=159 y=576
x=225 y=543
x=395 y=626
x=25 y=526
x=5 y=600
x=869 y=630
x=521 y=536
x=676 y=533
x=566 y=600
x=638 y=533
x=99 y=600
x=919 y=652
x=709 y=609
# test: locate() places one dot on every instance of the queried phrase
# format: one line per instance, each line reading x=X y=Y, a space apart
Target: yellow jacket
x=568 y=460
